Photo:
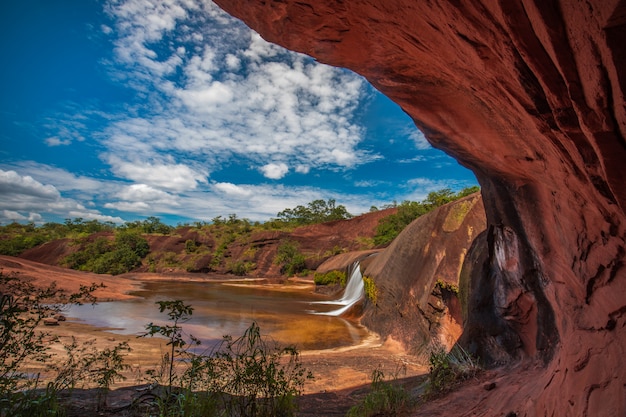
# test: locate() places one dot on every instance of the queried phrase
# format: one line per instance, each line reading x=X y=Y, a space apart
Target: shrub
x=290 y=258
x=447 y=369
x=256 y=377
x=242 y=268
x=371 y=291
x=446 y=286
x=22 y=310
x=105 y=257
x=245 y=377
x=389 y=227
x=178 y=312
x=330 y=278
x=384 y=399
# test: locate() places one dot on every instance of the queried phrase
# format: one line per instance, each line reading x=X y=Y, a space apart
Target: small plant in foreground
x=243 y=377
x=447 y=369
x=384 y=399
x=23 y=307
x=178 y=312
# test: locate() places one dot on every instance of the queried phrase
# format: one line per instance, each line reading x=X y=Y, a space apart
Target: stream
x=290 y=316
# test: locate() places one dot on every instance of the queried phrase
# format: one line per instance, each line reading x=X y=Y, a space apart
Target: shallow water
x=289 y=316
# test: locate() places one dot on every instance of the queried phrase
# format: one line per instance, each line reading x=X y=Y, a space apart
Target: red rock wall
x=410 y=307
x=529 y=94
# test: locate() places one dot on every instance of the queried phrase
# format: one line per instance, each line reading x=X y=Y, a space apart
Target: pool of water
x=289 y=316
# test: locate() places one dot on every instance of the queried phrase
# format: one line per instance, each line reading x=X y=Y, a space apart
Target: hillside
x=232 y=249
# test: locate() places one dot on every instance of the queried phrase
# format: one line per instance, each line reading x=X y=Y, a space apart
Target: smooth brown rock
x=417 y=278
x=530 y=96
x=50 y=321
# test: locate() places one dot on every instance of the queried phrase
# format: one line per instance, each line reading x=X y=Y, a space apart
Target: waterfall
x=354 y=292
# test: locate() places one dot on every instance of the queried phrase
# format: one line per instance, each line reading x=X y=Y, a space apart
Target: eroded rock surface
x=417 y=278
x=530 y=96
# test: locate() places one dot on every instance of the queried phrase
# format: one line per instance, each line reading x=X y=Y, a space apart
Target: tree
x=317 y=211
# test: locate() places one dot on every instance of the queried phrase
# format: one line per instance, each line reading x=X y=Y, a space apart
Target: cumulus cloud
x=274 y=171
x=232 y=190
x=172 y=176
x=217 y=91
x=143 y=192
x=26 y=198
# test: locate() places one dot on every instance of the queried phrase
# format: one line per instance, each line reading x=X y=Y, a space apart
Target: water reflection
x=221 y=309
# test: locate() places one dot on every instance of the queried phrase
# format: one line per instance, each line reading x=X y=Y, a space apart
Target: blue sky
x=123 y=109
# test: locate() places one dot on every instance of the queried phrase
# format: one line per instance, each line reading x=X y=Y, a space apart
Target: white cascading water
x=354 y=292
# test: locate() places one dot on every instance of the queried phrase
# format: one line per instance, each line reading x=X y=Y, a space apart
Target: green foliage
x=391 y=226
x=384 y=399
x=289 y=257
x=242 y=268
x=371 y=291
x=317 y=211
x=177 y=312
x=191 y=246
x=330 y=278
x=105 y=257
x=468 y=191
x=447 y=369
x=245 y=377
x=446 y=286
x=151 y=225
x=260 y=378
x=22 y=310
x=15 y=238
x=110 y=363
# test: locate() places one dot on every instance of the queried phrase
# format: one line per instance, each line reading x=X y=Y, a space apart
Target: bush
x=385 y=399
x=447 y=369
x=242 y=268
x=290 y=258
x=245 y=377
x=330 y=278
x=22 y=310
x=389 y=227
x=317 y=211
x=371 y=291
x=105 y=257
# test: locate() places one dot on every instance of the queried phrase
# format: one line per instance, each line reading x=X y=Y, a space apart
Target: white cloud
x=133 y=207
x=13 y=184
x=419 y=139
x=175 y=177
x=91 y=215
x=55 y=141
x=274 y=171
x=238 y=96
x=232 y=190
x=303 y=169
x=144 y=192
x=24 y=197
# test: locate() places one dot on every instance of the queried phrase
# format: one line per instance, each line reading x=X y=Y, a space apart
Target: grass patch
x=386 y=398
x=448 y=369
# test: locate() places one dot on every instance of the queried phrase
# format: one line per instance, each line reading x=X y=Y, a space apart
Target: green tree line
x=119 y=249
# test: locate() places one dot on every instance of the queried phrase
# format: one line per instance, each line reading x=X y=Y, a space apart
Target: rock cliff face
x=417 y=277
x=530 y=96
